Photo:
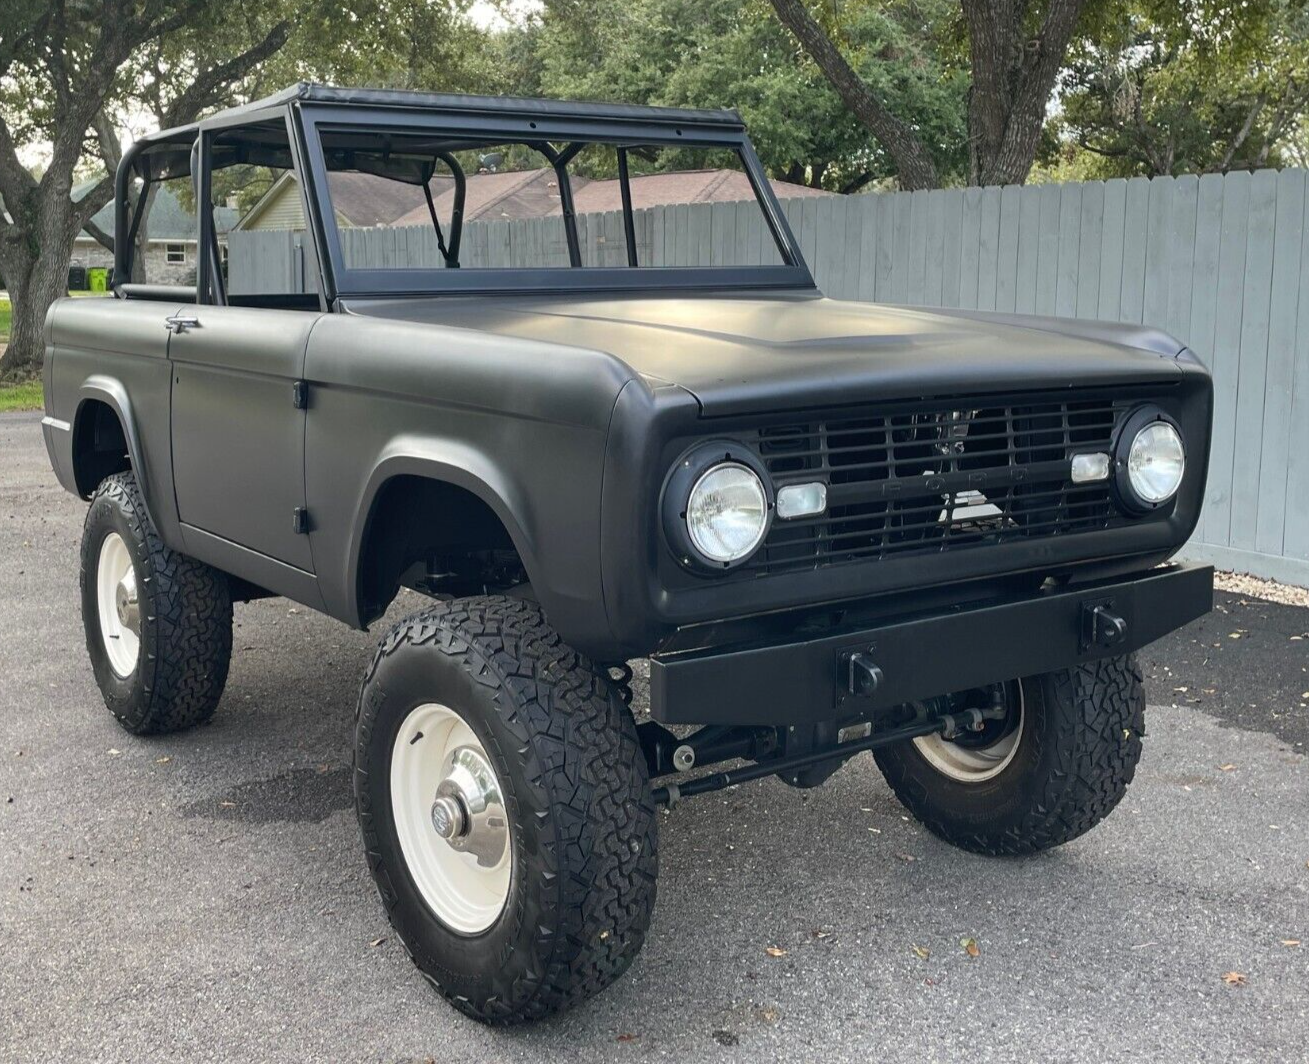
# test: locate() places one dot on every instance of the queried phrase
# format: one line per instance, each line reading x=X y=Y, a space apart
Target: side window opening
x=265 y=254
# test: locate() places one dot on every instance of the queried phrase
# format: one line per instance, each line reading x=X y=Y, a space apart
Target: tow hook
x=1101 y=626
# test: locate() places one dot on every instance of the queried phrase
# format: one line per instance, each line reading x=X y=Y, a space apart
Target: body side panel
x=521 y=424
x=116 y=351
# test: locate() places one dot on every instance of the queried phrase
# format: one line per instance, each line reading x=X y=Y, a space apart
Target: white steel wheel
x=118 y=605
x=450 y=818
x=968 y=760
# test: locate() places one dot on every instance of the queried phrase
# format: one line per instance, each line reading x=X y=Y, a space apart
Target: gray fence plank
x=1226 y=365
x=1047 y=259
x=1070 y=236
x=1029 y=249
x=1284 y=317
x=1296 y=540
x=1132 y=290
x=1158 y=252
x=1006 y=265
x=952 y=232
x=988 y=248
x=1181 y=237
x=1111 y=249
x=1254 y=360
x=1199 y=333
x=1091 y=225
x=970 y=245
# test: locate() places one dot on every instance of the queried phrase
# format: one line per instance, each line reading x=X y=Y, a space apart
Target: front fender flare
x=450 y=462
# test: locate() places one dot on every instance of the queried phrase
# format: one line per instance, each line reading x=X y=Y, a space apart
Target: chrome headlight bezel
x=1130 y=498
x=682 y=480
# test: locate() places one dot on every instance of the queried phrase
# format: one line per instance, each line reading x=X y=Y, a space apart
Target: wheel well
x=436 y=537
x=99 y=446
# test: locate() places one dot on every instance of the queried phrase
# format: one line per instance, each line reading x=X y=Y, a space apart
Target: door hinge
x=300 y=520
x=300 y=395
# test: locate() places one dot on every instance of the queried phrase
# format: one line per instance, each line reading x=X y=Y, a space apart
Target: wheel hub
x=469 y=813
x=126 y=603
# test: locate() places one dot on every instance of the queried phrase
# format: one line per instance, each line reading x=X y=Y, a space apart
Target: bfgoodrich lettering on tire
x=1061 y=766
x=505 y=808
x=158 y=624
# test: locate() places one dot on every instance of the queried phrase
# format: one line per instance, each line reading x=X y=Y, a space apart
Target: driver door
x=238 y=425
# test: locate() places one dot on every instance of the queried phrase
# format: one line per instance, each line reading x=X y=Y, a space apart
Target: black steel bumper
x=854 y=671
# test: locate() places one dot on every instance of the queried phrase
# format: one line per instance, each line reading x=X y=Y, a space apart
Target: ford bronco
x=490 y=350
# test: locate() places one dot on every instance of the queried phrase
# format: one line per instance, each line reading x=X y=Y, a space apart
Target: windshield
x=403 y=201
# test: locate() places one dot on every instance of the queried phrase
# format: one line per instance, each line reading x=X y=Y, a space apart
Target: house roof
x=535 y=194
x=685 y=186
x=358 y=199
x=168 y=220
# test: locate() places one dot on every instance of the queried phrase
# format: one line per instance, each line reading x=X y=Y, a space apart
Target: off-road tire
x=583 y=827
x=186 y=620
x=1078 y=752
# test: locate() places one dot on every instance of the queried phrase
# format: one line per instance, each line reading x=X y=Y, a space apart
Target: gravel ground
x=203 y=896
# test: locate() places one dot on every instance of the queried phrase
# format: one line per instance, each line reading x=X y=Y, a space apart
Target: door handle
x=179 y=323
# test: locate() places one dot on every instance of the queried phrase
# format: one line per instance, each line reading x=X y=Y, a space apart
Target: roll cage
x=286 y=131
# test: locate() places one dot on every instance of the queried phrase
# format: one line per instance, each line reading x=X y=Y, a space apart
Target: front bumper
x=810 y=679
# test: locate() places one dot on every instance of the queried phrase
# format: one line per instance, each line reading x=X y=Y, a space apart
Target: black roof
x=458 y=102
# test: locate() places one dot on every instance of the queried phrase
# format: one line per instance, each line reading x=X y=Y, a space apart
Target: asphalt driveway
x=203 y=896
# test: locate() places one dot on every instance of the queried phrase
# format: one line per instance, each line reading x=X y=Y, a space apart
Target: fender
x=111 y=392
x=454 y=463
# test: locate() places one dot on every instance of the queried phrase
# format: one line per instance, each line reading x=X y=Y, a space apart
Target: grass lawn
x=21 y=396
x=6 y=316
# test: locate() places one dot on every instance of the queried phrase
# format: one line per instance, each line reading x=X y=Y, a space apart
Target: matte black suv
x=591 y=437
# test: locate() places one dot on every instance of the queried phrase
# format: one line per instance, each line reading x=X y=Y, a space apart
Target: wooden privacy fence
x=1220 y=261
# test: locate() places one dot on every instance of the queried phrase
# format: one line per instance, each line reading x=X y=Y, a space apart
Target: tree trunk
x=31 y=291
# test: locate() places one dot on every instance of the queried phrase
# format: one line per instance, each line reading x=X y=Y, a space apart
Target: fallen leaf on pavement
x=162 y=760
x=1226 y=768
x=1234 y=978
x=1290 y=943
x=377 y=941
x=113 y=752
x=971 y=947
x=626 y=1038
x=922 y=952
x=907 y=857
x=775 y=951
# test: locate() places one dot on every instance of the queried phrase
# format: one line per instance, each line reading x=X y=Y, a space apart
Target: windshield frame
x=341 y=280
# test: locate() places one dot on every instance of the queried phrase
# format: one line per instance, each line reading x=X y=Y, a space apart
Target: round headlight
x=727 y=512
x=1156 y=462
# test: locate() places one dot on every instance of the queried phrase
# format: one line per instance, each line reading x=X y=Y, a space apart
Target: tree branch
x=208 y=86
x=914 y=165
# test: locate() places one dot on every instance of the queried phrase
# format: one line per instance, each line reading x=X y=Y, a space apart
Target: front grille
x=953 y=475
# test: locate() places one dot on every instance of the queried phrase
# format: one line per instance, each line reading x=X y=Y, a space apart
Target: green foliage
x=734 y=53
x=1169 y=87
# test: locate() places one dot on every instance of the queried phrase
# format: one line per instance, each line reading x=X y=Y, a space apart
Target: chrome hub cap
x=450 y=818
x=968 y=761
x=118 y=605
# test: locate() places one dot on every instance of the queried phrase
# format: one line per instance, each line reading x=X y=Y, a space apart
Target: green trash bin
x=97 y=279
